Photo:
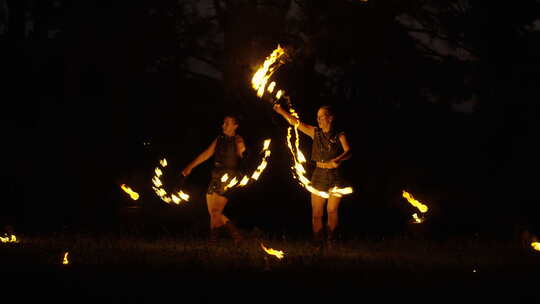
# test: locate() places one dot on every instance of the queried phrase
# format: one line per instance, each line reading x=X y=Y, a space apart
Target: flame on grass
x=256 y=173
x=277 y=253
x=134 y=195
x=9 y=239
x=176 y=198
x=65 y=261
x=418 y=205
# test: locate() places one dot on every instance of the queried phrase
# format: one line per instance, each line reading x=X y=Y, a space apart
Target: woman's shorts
x=325 y=179
x=216 y=185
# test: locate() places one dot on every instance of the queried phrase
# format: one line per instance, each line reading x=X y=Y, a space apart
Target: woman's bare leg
x=332 y=208
x=317 y=210
x=216 y=203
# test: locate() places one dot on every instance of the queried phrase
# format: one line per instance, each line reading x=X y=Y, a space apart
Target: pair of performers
x=330 y=148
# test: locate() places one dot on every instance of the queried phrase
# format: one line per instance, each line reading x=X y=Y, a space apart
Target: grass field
x=186 y=267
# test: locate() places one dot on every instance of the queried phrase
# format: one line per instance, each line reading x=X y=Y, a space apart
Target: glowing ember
x=65 y=261
x=134 y=195
x=9 y=239
x=270 y=65
x=176 y=198
x=535 y=246
x=277 y=253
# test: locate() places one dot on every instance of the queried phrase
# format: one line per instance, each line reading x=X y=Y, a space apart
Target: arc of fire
x=160 y=191
x=256 y=173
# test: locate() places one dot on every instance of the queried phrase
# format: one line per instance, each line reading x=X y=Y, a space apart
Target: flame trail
x=259 y=80
x=65 y=261
x=270 y=65
x=134 y=195
x=421 y=207
x=277 y=253
x=176 y=198
x=9 y=239
x=256 y=173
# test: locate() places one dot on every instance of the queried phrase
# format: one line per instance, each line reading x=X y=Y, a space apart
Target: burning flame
x=65 y=261
x=258 y=82
x=176 y=198
x=535 y=246
x=417 y=219
x=134 y=195
x=277 y=253
x=9 y=239
x=421 y=207
x=270 y=65
x=255 y=175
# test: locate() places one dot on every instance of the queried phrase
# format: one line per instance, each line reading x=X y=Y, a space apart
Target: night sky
x=94 y=94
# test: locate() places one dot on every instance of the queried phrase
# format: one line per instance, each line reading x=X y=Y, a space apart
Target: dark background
x=95 y=93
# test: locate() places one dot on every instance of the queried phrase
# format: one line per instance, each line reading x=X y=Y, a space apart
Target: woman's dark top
x=226 y=156
x=325 y=146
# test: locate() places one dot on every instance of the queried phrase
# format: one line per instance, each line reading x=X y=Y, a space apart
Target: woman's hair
x=237 y=117
x=329 y=109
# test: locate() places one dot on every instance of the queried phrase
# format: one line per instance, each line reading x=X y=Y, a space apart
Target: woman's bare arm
x=347 y=151
x=309 y=130
x=206 y=154
x=240 y=146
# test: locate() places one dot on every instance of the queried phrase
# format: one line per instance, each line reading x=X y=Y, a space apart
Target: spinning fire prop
x=258 y=82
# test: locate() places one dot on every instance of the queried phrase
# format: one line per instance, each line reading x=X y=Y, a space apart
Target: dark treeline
x=439 y=99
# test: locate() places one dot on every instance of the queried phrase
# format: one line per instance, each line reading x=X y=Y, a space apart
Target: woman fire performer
x=330 y=148
x=227 y=149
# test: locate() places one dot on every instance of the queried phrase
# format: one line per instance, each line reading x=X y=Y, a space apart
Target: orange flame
x=535 y=246
x=65 y=261
x=9 y=239
x=134 y=195
x=176 y=198
x=256 y=173
x=277 y=253
x=423 y=208
x=270 y=65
